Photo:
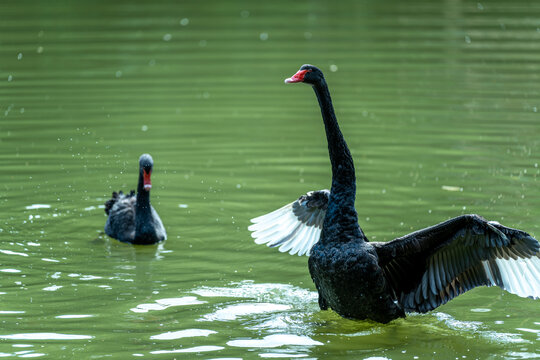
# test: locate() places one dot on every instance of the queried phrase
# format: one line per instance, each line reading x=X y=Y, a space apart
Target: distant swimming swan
x=381 y=281
x=131 y=218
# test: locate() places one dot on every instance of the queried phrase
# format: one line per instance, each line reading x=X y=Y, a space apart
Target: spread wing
x=295 y=227
x=429 y=267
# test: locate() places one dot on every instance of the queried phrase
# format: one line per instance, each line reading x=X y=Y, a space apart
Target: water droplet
x=19 y=56
x=480 y=6
x=263 y=36
x=167 y=37
x=184 y=22
x=467 y=39
x=118 y=74
x=244 y=13
x=39 y=49
x=333 y=68
x=9 y=78
x=144 y=128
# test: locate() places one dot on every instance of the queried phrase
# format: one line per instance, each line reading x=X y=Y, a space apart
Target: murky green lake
x=439 y=102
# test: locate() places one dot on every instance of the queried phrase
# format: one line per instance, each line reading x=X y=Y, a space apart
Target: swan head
x=146 y=163
x=308 y=74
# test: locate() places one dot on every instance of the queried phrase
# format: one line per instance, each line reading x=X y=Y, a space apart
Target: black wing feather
x=429 y=267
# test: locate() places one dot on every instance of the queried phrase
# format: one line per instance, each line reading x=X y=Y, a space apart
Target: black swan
x=414 y=273
x=131 y=218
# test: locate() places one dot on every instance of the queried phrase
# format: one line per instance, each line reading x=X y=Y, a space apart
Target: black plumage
x=382 y=281
x=131 y=218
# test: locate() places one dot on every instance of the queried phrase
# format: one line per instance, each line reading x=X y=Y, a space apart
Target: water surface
x=437 y=100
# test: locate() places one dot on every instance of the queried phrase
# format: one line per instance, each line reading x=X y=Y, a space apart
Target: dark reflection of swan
x=131 y=218
x=381 y=281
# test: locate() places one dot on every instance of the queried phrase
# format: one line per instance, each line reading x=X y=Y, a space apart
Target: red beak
x=146 y=180
x=298 y=77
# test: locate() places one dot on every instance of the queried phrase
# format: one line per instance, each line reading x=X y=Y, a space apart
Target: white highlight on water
x=276 y=340
x=172 y=335
x=45 y=336
x=38 y=206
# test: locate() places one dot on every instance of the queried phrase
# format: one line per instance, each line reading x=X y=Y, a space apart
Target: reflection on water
x=195 y=349
x=38 y=206
x=162 y=304
x=283 y=356
x=172 y=335
x=45 y=336
x=79 y=316
x=272 y=341
x=246 y=303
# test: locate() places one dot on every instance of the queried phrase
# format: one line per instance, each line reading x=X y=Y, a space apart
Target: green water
x=438 y=101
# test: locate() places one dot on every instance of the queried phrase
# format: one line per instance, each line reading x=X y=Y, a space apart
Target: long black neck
x=341 y=216
x=143 y=211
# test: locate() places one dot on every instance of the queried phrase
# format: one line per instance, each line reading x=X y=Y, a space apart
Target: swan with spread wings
x=414 y=273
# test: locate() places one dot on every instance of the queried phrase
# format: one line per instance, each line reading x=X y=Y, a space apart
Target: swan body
x=131 y=218
x=414 y=273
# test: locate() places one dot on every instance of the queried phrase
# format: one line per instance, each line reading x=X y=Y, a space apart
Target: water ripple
x=9 y=252
x=265 y=291
x=52 y=288
x=272 y=341
x=172 y=335
x=281 y=355
x=10 y=270
x=11 y=312
x=38 y=206
x=163 y=304
x=232 y=312
x=45 y=336
x=478 y=328
x=74 y=316
x=196 y=349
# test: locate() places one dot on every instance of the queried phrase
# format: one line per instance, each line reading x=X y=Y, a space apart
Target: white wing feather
x=292 y=231
x=518 y=276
